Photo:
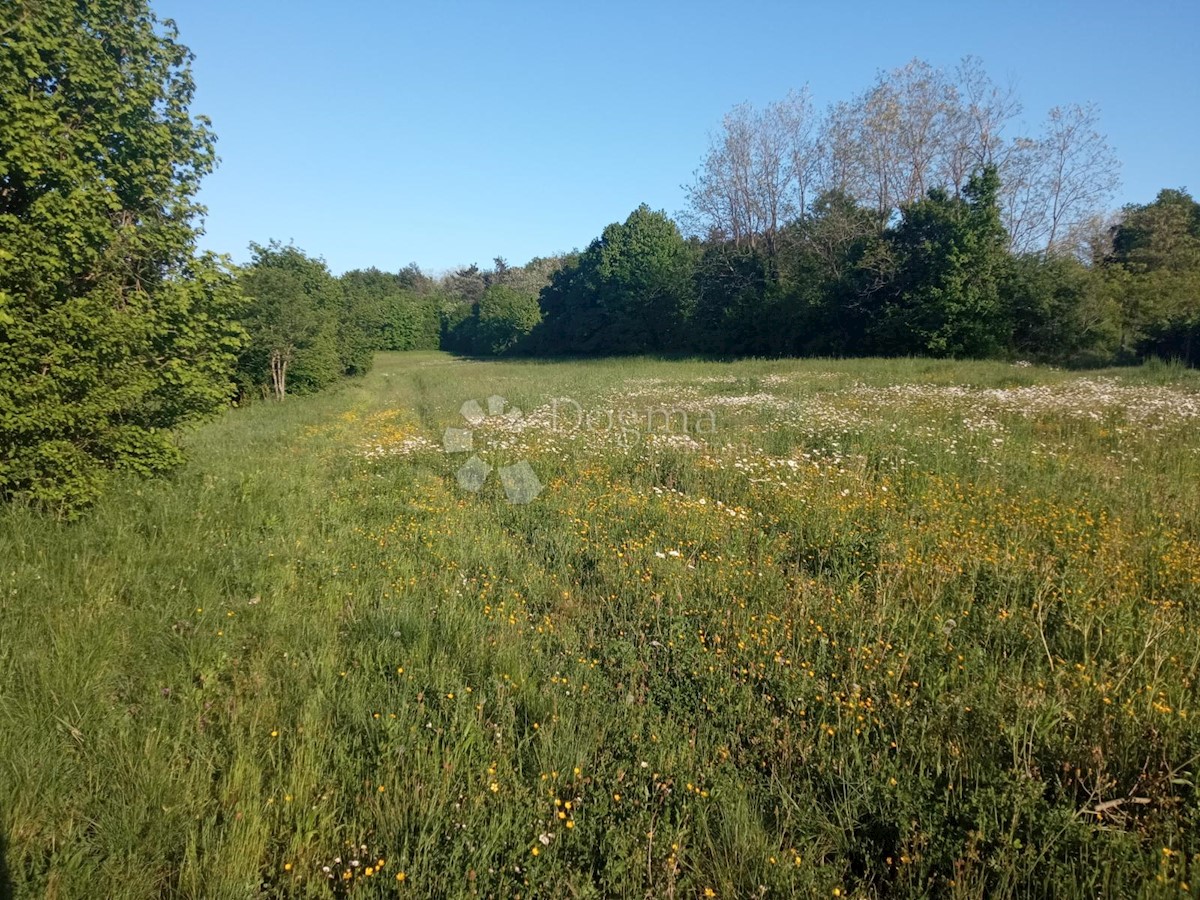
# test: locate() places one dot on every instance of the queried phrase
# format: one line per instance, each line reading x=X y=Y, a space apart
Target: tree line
x=905 y=220
x=901 y=221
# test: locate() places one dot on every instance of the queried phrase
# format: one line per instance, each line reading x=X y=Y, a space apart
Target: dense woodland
x=908 y=220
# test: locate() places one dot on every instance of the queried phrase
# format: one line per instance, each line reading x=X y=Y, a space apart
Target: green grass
x=862 y=640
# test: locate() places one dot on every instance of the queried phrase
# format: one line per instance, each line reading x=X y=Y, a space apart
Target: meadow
x=874 y=628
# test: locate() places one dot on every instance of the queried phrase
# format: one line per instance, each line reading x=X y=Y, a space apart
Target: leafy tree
x=506 y=317
x=292 y=321
x=1155 y=269
x=630 y=292
x=113 y=333
x=950 y=251
x=459 y=322
x=465 y=285
x=1060 y=310
x=832 y=265
x=283 y=323
x=410 y=322
x=392 y=312
x=735 y=290
x=411 y=278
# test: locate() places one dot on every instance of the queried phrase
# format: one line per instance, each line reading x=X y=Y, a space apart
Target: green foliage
x=1156 y=265
x=733 y=315
x=296 y=341
x=410 y=322
x=1060 y=310
x=630 y=292
x=393 y=312
x=112 y=333
x=949 y=253
x=506 y=317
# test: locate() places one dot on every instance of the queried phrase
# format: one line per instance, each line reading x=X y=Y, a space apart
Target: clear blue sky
x=446 y=133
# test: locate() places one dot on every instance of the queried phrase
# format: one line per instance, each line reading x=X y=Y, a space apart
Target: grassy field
x=870 y=628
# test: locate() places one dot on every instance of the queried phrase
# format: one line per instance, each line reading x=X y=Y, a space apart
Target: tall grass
x=863 y=640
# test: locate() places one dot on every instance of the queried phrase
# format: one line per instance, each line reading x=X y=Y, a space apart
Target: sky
x=448 y=133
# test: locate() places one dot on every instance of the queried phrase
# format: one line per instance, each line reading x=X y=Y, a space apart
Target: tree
x=734 y=292
x=506 y=317
x=1061 y=310
x=630 y=292
x=465 y=284
x=283 y=322
x=292 y=321
x=834 y=265
x=113 y=332
x=1056 y=183
x=1155 y=269
x=758 y=173
x=895 y=141
x=950 y=253
x=392 y=312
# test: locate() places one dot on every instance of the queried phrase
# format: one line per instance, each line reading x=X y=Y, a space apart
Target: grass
x=891 y=628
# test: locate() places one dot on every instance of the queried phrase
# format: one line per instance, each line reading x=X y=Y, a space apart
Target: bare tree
x=758 y=173
x=890 y=145
x=1081 y=172
x=1055 y=185
x=915 y=128
x=1021 y=205
x=978 y=116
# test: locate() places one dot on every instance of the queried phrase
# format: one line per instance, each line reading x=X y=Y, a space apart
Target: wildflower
x=401 y=876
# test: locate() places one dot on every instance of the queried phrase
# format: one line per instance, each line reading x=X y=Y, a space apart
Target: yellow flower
x=709 y=892
x=287 y=867
x=535 y=851
x=571 y=824
x=494 y=787
x=400 y=876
